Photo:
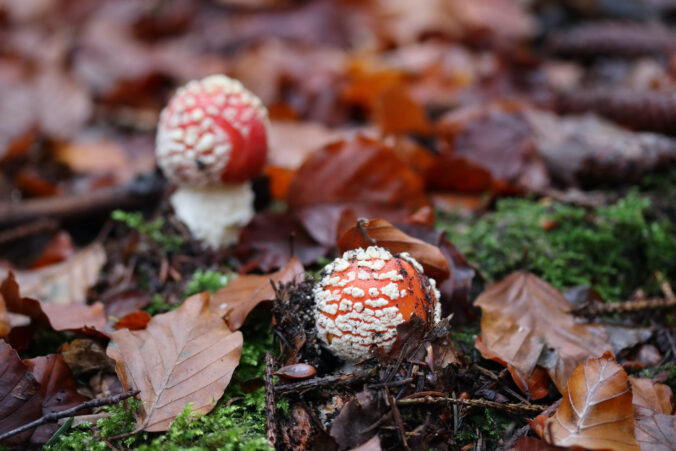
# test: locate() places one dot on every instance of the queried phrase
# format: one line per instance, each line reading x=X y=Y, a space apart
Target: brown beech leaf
x=20 y=397
x=75 y=316
x=381 y=233
x=360 y=170
x=5 y=324
x=652 y=395
x=350 y=428
x=491 y=148
x=57 y=388
x=292 y=142
x=66 y=282
x=245 y=292
x=525 y=322
x=58 y=249
x=533 y=444
x=596 y=411
x=187 y=355
x=655 y=432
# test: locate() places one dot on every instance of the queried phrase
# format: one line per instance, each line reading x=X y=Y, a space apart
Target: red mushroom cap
x=212 y=131
x=365 y=295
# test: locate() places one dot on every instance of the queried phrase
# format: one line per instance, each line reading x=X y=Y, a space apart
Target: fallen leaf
x=66 y=282
x=58 y=249
x=57 y=388
x=525 y=322
x=371 y=445
x=381 y=233
x=351 y=426
x=75 y=316
x=95 y=156
x=596 y=411
x=655 y=432
x=184 y=356
x=5 y=324
x=271 y=239
x=245 y=292
x=20 y=397
x=397 y=113
x=651 y=395
x=133 y=321
x=85 y=356
x=360 y=170
x=491 y=148
x=292 y=142
x=533 y=444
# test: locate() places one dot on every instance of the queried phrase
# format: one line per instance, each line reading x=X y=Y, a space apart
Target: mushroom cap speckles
x=365 y=295
x=212 y=131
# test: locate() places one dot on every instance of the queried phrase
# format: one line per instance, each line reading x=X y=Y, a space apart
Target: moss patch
x=615 y=249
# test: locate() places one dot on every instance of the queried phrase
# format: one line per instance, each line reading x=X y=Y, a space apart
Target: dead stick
x=270 y=426
x=472 y=403
x=397 y=418
x=361 y=226
x=51 y=417
x=317 y=383
x=626 y=307
x=42 y=225
x=133 y=195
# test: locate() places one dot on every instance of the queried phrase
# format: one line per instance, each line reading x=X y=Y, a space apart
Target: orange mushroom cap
x=364 y=295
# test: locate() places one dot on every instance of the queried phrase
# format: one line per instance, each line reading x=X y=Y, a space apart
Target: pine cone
x=613 y=39
x=639 y=110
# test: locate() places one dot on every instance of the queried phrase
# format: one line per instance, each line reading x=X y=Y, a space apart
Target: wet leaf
x=361 y=170
x=187 y=355
x=57 y=388
x=381 y=233
x=243 y=293
x=20 y=396
x=596 y=411
x=525 y=323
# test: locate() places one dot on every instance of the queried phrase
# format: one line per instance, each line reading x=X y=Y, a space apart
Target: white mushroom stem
x=214 y=214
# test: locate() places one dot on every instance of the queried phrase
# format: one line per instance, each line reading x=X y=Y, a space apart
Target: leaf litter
x=381 y=111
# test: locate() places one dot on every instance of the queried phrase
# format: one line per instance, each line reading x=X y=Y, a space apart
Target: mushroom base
x=214 y=214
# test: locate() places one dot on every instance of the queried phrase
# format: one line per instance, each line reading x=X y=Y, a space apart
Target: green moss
x=151 y=229
x=206 y=281
x=236 y=423
x=491 y=424
x=615 y=249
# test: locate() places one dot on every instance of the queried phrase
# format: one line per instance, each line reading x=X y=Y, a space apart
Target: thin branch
x=55 y=416
x=361 y=226
x=397 y=418
x=319 y=382
x=509 y=407
x=270 y=425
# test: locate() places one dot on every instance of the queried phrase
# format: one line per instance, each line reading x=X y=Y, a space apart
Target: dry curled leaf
x=245 y=292
x=66 y=282
x=651 y=395
x=184 y=356
x=378 y=232
x=596 y=411
x=525 y=323
x=20 y=397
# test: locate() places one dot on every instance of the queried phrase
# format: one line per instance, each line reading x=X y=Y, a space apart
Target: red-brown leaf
x=361 y=170
x=245 y=292
x=596 y=411
x=133 y=321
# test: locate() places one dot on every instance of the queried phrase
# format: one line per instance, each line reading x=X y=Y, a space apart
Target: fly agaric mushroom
x=365 y=295
x=211 y=140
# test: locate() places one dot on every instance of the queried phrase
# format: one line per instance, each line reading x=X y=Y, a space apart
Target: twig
x=626 y=307
x=42 y=225
x=135 y=194
x=55 y=416
x=397 y=418
x=316 y=383
x=270 y=425
x=509 y=407
x=361 y=226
